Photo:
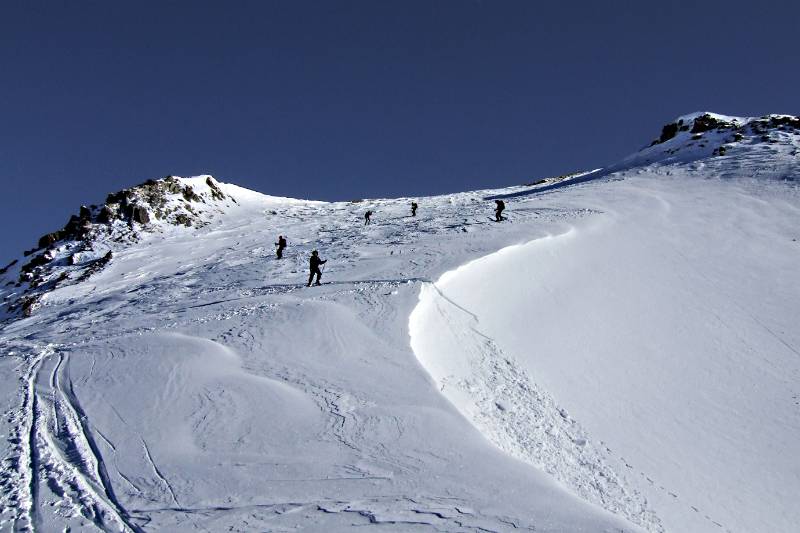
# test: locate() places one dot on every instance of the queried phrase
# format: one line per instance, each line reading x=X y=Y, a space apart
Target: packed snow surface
x=622 y=354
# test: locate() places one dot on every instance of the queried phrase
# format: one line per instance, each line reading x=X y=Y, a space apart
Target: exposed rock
x=29 y=304
x=169 y=200
x=668 y=132
x=106 y=215
x=39 y=260
x=707 y=122
x=793 y=122
x=172 y=185
x=139 y=214
x=189 y=195
x=76 y=228
x=758 y=128
x=118 y=197
x=73 y=223
x=50 y=238
x=216 y=192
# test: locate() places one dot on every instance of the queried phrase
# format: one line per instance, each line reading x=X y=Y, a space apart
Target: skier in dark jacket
x=314 y=262
x=367 y=215
x=498 y=211
x=281 y=244
x=414 y=209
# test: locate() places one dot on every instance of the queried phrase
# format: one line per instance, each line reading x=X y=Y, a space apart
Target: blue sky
x=343 y=100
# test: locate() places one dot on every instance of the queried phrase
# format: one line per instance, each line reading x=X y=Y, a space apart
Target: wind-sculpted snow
x=497 y=395
x=664 y=331
x=632 y=367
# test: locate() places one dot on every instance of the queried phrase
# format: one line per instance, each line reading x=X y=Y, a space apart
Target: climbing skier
x=314 y=263
x=414 y=209
x=367 y=215
x=281 y=244
x=499 y=210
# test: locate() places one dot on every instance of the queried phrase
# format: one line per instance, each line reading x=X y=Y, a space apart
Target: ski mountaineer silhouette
x=498 y=211
x=314 y=262
x=367 y=215
x=281 y=244
x=414 y=209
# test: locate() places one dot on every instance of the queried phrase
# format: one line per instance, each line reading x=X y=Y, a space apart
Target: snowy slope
x=665 y=327
x=622 y=355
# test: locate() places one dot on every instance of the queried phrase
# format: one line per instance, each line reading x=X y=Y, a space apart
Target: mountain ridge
x=176 y=201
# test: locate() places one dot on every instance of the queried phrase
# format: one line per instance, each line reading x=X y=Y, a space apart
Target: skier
x=366 y=217
x=314 y=263
x=414 y=209
x=281 y=244
x=499 y=210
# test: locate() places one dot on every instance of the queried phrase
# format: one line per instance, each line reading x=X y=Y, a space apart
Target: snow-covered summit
x=704 y=135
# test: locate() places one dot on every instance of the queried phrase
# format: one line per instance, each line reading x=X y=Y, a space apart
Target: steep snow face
x=580 y=361
x=657 y=339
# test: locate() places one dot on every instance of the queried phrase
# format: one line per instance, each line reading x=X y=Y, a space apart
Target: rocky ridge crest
x=86 y=243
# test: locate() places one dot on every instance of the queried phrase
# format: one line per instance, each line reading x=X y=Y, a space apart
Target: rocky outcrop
x=216 y=193
x=668 y=132
x=708 y=122
x=139 y=214
x=28 y=305
x=69 y=255
x=138 y=205
x=718 y=134
x=190 y=196
x=50 y=238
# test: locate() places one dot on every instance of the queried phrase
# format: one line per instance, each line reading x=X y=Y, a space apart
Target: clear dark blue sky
x=341 y=100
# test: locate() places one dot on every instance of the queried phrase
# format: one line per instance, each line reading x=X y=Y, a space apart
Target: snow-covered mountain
x=621 y=354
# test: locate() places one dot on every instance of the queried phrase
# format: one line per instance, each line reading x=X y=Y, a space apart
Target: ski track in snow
x=62 y=466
